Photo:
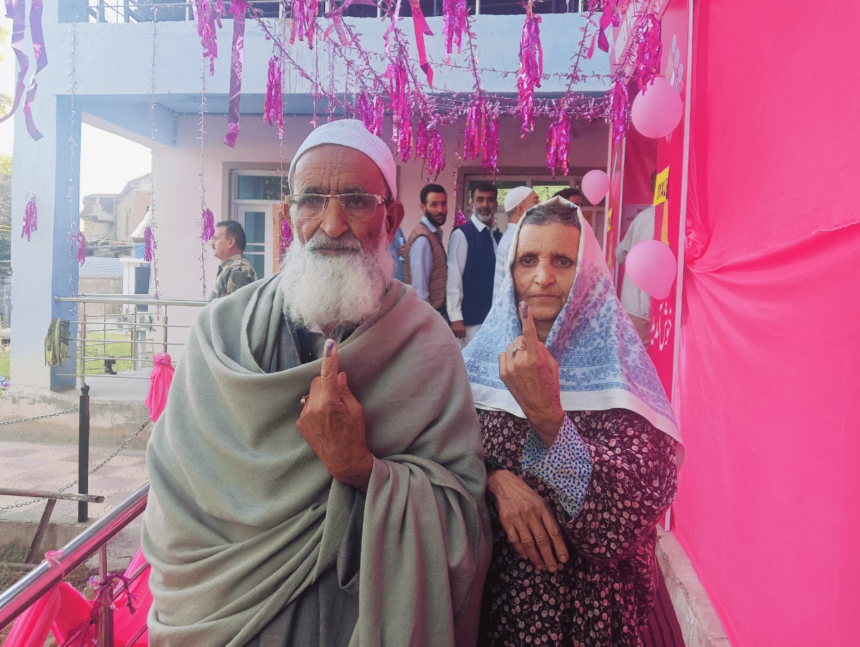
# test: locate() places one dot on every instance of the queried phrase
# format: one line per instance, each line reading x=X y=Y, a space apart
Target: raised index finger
x=529 y=331
x=328 y=373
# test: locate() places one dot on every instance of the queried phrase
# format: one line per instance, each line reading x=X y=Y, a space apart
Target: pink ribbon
x=303 y=19
x=206 y=14
x=159 y=385
x=421 y=28
x=81 y=241
x=454 y=23
x=558 y=140
x=238 y=9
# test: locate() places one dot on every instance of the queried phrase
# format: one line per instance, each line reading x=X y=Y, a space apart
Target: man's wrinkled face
x=484 y=205
x=332 y=169
x=221 y=244
x=436 y=208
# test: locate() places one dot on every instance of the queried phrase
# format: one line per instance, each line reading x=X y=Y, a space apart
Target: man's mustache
x=322 y=241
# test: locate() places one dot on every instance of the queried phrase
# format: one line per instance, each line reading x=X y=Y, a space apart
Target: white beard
x=335 y=292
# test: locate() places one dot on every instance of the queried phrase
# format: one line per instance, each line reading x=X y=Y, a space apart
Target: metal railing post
x=83 y=450
x=164 y=329
x=106 y=611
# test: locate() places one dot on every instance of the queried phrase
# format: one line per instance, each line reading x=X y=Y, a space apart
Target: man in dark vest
x=472 y=264
x=426 y=268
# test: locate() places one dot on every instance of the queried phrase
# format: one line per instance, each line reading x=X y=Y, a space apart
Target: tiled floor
x=49 y=467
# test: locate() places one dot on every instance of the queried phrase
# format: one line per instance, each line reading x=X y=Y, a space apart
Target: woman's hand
x=531 y=375
x=527 y=521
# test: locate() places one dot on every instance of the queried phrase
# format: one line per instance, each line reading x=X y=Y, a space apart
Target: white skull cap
x=516 y=196
x=352 y=133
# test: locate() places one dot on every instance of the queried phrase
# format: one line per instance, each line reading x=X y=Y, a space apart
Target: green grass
x=4 y=367
x=115 y=345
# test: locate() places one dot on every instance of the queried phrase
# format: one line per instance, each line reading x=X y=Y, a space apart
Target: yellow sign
x=661 y=187
x=664 y=230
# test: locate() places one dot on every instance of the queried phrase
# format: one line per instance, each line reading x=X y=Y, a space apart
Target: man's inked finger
x=328 y=373
x=529 y=331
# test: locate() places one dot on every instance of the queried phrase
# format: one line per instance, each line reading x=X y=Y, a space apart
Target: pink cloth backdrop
x=769 y=401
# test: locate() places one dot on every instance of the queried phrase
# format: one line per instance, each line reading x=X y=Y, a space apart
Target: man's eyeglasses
x=356 y=205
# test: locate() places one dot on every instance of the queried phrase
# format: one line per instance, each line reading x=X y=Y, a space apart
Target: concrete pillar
x=45 y=266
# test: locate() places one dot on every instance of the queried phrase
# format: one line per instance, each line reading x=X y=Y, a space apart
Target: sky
x=107 y=161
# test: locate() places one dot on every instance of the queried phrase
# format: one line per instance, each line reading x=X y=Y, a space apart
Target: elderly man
x=472 y=264
x=519 y=200
x=235 y=271
x=317 y=475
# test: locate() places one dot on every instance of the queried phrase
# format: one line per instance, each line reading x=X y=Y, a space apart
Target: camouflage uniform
x=233 y=274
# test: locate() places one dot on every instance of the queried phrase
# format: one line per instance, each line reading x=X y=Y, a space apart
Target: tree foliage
x=5 y=225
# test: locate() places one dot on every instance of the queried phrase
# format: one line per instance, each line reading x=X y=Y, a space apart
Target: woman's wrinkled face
x=545 y=267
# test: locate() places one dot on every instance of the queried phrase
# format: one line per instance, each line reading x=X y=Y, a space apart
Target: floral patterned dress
x=603 y=594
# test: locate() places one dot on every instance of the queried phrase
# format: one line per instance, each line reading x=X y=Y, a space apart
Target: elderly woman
x=580 y=445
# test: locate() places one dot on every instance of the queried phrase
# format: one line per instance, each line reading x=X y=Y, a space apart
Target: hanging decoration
x=399 y=105
x=273 y=106
x=430 y=147
x=30 y=218
x=657 y=109
x=207 y=225
x=652 y=267
x=421 y=29
x=238 y=8
x=482 y=134
x=208 y=14
x=459 y=219
x=595 y=185
x=558 y=140
x=149 y=244
x=303 y=14
x=371 y=111
x=455 y=23
x=531 y=69
x=81 y=241
x=618 y=109
x=649 y=50
x=16 y=11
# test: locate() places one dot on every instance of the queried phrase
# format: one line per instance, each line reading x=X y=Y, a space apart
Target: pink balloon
x=595 y=185
x=651 y=266
x=657 y=109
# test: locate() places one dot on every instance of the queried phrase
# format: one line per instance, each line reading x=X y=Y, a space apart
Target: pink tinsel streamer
x=273 y=106
x=81 y=242
x=149 y=244
x=482 y=134
x=399 y=104
x=371 y=112
x=303 y=19
x=558 y=140
x=531 y=70
x=454 y=21
x=206 y=14
x=421 y=29
x=238 y=9
x=30 y=219
x=430 y=147
x=618 y=109
x=649 y=51
x=459 y=219
x=208 y=225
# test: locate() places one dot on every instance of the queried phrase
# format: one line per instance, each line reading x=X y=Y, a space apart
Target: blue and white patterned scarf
x=602 y=363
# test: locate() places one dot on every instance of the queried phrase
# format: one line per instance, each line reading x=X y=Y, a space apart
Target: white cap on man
x=352 y=133
x=516 y=196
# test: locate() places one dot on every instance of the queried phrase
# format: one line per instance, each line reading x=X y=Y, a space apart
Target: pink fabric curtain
x=769 y=399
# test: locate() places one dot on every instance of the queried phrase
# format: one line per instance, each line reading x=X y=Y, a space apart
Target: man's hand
x=459 y=329
x=527 y=521
x=531 y=375
x=332 y=422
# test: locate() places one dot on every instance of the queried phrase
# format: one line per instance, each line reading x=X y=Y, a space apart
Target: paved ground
x=49 y=467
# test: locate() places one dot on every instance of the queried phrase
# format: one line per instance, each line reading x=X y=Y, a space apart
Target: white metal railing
x=39 y=582
x=139 y=320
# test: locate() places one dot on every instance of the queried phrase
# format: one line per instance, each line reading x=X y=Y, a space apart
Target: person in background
x=234 y=271
x=636 y=303
x=519 y=200
x=472 y=264
x=396 y=253
x=574 y=196
x=427 y=262
x=580 y=445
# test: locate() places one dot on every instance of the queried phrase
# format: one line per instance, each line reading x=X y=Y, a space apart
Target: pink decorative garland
x=30 y=219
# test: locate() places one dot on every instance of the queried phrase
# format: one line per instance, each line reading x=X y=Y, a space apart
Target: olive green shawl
x=243 y=516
